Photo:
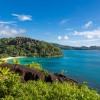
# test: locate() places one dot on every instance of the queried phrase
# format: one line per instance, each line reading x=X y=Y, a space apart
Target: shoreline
x=8 y=58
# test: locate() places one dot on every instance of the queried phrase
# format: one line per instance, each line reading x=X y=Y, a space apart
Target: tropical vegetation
x=11 y=88
x=23 y=46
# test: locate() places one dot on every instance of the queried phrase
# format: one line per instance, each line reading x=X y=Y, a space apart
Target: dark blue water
x=81 y=65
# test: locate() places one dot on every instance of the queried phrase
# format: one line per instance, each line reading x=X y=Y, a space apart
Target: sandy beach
x=12 y=58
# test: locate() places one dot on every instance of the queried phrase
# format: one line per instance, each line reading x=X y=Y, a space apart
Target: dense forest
x=23 y=46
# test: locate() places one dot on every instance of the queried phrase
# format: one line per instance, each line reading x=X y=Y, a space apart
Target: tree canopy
x=23 y=46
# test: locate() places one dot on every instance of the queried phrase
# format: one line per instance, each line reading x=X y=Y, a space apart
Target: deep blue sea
x=81 y=65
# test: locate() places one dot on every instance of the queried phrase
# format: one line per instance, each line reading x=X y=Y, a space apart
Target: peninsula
x=23 y=46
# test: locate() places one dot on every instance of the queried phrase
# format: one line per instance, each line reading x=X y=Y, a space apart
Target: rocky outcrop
x=28 y=73
x=63 y=78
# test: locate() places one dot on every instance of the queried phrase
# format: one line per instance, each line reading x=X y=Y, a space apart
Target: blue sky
x=67 y=22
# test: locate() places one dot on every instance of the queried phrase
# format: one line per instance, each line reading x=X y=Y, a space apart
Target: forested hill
x=77 y=48
x=23 y=46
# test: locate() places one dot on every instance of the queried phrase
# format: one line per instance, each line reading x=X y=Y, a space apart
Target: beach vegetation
x=37 y=66
x=11 y=88
x=16 y=61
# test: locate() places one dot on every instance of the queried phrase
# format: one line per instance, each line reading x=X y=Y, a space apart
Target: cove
x=81 y=65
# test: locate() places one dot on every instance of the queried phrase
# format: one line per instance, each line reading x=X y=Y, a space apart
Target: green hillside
x=11 y=88
x=23 y=46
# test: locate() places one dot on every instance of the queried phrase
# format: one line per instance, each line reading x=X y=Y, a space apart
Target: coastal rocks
x=51 y=78
x=63 y=78
x=27 y=73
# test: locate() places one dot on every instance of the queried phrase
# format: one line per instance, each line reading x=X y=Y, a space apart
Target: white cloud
x=7 y=31
x=88 y=42
x=77 y=42
x=69 y=29
x=64 y=21
x=23 y=17
x=63 y=37
x=2 y=23
x=90 y=23
x=89 y=34
x=84 y=41
x=59 y=37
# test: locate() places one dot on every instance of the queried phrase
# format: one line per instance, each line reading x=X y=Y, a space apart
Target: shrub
x=35 y=65
x=38 y=67
x=2 y=61
x=15 y=61
x=12 y=89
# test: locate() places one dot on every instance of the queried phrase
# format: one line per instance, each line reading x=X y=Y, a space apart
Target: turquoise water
x=81 y=65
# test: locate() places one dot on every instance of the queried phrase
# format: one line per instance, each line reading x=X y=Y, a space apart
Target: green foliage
x=46 y=72
x=22 y=46
x=35 y=65
x=38 y=67
x=15 y=61
x=2 y=61
x=62 y=72
x=4 y=73
x=12 y=89
x=9 y=84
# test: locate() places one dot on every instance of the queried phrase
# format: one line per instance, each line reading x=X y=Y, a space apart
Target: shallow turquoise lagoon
x=81 y=65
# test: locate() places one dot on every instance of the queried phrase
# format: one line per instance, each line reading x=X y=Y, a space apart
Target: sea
x=81 y=65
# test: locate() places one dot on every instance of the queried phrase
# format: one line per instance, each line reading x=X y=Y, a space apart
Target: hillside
x=36 y=72
x=77 y=48
x=29 y=83
x=23 y=46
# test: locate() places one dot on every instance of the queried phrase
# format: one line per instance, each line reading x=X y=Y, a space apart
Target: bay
x=81 y=65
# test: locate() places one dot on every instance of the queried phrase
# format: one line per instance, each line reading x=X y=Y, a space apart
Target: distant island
x=23 y=46
x=77 y=48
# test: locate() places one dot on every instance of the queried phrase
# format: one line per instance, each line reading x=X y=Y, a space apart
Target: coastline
x=9 y=58
x=12 y=58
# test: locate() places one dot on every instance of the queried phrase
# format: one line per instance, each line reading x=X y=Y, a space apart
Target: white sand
x=12 y=58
